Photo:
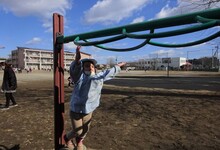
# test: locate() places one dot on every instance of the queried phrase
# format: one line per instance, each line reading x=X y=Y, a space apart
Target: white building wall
x=161 y=63
x=2 y=59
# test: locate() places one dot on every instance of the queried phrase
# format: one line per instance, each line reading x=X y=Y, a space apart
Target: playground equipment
x=199 y=20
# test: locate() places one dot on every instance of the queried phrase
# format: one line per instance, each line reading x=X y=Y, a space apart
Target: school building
x=39 y=59
x=161 y=63
x=2 y=59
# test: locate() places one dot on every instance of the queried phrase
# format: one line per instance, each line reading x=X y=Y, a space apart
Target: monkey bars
x=199 y=21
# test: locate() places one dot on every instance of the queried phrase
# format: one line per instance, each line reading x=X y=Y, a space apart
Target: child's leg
x=86 y=124
x=76 y=121
x=80 y=125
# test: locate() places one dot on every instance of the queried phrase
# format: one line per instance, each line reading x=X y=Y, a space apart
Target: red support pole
x=58 y=60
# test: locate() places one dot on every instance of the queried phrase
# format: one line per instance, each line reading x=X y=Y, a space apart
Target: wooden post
x=58 y=60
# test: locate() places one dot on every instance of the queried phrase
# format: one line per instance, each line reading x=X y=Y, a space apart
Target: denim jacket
x=87 y=90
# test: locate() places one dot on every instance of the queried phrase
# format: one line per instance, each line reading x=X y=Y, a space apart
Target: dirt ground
x=139 y=111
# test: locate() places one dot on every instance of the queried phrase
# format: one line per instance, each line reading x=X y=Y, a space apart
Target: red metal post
x=58 y=60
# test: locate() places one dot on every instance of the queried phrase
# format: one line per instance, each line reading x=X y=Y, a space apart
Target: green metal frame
x=201 y=20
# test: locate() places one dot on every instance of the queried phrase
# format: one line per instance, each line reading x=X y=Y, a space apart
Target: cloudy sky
x=29 y=24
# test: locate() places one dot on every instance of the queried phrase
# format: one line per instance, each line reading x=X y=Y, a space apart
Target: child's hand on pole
x=78 y=55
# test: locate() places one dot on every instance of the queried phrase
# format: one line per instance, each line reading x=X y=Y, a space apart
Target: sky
x=29 y=24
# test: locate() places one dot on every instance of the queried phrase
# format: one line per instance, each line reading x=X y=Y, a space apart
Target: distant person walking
x=85 y=96
x=9 y=85
x=70 y=82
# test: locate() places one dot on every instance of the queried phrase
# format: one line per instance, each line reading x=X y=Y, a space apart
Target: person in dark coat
x=9 y=84
x=70 y=82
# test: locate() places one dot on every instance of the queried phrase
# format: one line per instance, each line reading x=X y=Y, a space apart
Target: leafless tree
x=111 y=61
x=202 y=3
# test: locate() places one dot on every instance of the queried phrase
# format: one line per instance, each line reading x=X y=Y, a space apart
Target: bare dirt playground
x=139 y=111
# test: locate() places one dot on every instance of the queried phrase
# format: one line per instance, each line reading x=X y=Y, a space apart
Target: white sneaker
x=5 y=108
x=14 y=105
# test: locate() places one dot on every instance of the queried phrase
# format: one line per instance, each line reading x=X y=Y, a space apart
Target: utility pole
x=212 y=58
x=217 y=57
x=187 y=57
x=215 y=61
x=2 y=47
x=168 y=65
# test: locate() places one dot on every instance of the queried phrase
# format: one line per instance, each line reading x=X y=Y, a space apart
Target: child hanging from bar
x=85 y=96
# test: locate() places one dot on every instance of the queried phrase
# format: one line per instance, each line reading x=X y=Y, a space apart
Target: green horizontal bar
x=112 y=39
x=175 y=32
x=153 y=24
x=146 y=41
x=213 y=36
x=205 y=20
